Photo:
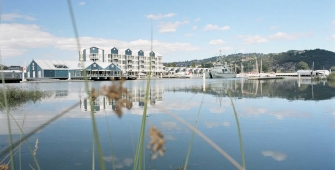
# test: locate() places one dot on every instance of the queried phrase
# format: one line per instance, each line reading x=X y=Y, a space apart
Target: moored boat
x=220 y=70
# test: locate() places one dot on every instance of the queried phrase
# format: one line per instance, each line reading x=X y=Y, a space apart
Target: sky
x=180 y=29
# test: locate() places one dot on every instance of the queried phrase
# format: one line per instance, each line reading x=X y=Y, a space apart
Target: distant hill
x=277 y=62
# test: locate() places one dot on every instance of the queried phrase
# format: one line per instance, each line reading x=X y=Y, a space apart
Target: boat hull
x=220 y=75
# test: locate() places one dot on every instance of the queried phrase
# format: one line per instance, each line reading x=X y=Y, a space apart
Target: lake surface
x=285 y=124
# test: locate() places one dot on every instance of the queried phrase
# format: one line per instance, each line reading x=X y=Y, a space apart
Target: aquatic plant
x=157 y=142
x=114 y=93
x=4 y=167
x=17 y=97
x=331 y=77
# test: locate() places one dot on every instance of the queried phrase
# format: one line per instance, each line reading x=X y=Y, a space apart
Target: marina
x=307 y=116
x=167 y=85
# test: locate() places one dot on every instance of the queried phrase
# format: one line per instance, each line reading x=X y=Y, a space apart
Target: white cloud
x=216 y=42
x=217 y=110
x=197 y=19
x=260 y=19
x=170 y=26
x=279 y=114
x=255 y=110
x=285 y=36
x=189 y=35
x=16 y=39
x=209 y=27
x=169 y=137
x=194 y=27
x=333 y=36
x=119 y=163
x=210 y=125
x=170 y=126
x=278 y=156
x=333 y=22
x=277 y=36
x=160 y=16
x=253 y=39
x=13 y=16
x=82 y=3
x=282 y=35
x=273 y=27
x=226 y=124
x=215 y=124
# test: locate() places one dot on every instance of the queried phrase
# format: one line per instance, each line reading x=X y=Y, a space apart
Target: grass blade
x=110 y=141
x=31 y=151
x=191 y=141
x=95 y=129
x=7 y=109
x=140 y=145
x=25 y=137
x=239 y=131
x=204 y=137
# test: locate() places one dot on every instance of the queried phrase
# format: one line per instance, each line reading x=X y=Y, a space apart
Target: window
x=94 y=65
x=60 y=66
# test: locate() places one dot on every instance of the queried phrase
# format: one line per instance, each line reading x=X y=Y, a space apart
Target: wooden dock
x=264 y=78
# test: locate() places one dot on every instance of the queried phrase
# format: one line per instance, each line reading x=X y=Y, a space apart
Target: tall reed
x=204 y=137
x=94 y=125
x=191 y=141
x=7 y=109
x=239 y=131
x=140 y=144
x=26 y=141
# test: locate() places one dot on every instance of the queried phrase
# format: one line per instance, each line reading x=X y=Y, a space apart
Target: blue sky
x=182 y=30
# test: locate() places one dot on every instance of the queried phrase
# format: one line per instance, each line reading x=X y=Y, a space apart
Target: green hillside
x=277 y=62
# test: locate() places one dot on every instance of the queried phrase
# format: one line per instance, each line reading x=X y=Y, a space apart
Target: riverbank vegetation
x=331 y=77
x=277 y=62
x=16 y=96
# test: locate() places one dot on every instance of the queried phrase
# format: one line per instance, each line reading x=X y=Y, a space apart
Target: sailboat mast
x=235 y=66
x=261 y=66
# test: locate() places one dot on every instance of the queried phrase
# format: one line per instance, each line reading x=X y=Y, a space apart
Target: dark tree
x=302 y=66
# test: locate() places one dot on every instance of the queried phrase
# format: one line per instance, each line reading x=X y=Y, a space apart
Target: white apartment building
x=131 y=63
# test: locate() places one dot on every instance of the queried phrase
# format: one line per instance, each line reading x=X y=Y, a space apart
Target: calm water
x=284 y=124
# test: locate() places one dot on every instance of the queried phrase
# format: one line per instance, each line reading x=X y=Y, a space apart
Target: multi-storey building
x=131 y=63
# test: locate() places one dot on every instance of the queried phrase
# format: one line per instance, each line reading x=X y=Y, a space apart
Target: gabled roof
x=51 y=64
x=147 y=54
x=70 y=65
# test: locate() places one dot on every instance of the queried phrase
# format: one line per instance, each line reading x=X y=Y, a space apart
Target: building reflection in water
x=136 y=96
x=291 y=89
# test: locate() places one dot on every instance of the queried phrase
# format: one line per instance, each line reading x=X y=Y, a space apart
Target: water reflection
x=136 y=96
x=290 y=89
x=278 y=156
x=240 y=88
x=279 y=120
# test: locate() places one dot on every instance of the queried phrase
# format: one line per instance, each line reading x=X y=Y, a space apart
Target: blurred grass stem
x=191 y=141
x=204 y=137
x=95 y=129
x=239 y=131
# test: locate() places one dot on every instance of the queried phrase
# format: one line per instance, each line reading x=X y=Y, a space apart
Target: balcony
x=94 y=56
